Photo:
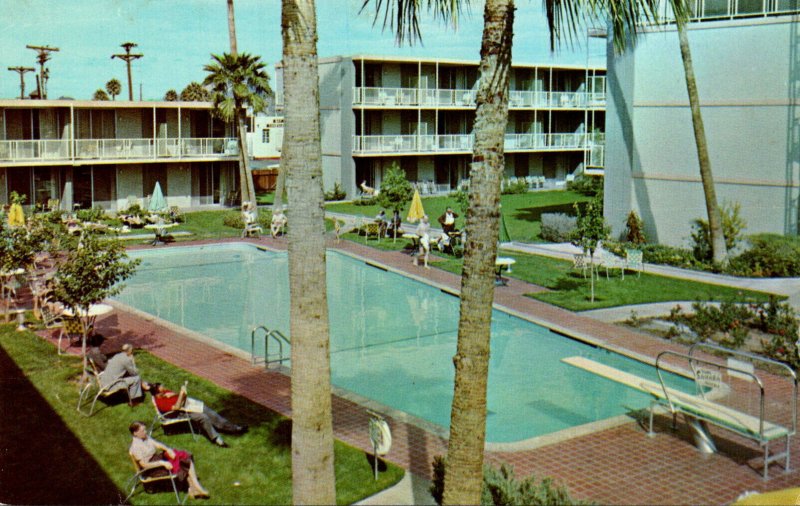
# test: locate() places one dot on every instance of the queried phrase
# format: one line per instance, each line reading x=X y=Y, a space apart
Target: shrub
x=769 y=255
x=336 y=193
x=732 y=226
x=634 y=226
x=669 y=255
x=586 y=185
x=729 y=319
x=233 y=219
x=780 y=321
x=94 y=214
x=557 y=227
x=500 y=486
x=518 y=186
x=365 y=201
x=396 y=191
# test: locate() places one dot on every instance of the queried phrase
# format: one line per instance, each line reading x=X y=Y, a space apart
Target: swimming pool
x=392 y=338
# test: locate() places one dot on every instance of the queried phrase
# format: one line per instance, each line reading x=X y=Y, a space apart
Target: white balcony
x=116 y=149
x=370 y=145
x=434 y=98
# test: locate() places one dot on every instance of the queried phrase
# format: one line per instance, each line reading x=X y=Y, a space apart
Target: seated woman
x=278 y=222
x=159 y=459
x=395 y=225
x=206 y=418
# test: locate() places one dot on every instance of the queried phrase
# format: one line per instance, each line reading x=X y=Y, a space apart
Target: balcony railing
x=729 y=9
x=392 y=144
x=116 y=149
x=414 y=97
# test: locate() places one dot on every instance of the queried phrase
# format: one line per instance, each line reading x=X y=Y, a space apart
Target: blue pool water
x=392 y=338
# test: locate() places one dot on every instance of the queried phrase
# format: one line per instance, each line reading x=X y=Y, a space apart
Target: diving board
x=697 y=407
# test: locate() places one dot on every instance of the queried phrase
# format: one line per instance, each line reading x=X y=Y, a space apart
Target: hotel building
x=747 y=62
x=418 y=114
x=110 y=154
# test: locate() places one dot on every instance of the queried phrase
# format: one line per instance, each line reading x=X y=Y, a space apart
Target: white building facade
x=747 y=63
x=418 y=114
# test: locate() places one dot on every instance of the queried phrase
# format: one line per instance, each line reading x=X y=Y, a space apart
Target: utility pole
x=128 y=58
x=21 y=71
x=43 y=56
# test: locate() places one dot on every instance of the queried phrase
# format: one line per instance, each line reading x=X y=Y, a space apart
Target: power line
x=128 y=58
x=21 y=71
x=43 y=56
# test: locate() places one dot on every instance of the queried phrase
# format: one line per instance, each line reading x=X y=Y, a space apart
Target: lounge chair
x=104 y=392
x=149 y=480
x=170 y=419
x=633 y=260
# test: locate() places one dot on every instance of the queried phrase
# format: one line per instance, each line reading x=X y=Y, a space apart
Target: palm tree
x=100 y=94
x=114 y=88
x=195 y=92
x=171 y=96
x=238 y=82
x=719 y=249
x=464 y=474
x=313 y=479
x=232 y=27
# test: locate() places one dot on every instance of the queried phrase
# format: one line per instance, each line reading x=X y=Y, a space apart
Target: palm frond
x=403 y=16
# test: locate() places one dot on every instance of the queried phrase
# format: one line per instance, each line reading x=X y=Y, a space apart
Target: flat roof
x=447 y=61
x=102 y=104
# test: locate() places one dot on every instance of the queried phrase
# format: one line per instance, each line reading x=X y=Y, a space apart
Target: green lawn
x=522 y=212
x=570 y=290
x=84 y=460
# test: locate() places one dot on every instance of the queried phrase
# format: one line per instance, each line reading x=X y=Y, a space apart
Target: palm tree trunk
x=464 y=471
x=717 y=238
x=246 y=184
x=312 y=427
x=280 y=184
x=232 y=27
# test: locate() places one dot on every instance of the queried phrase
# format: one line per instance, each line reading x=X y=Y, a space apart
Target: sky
x=177 y=38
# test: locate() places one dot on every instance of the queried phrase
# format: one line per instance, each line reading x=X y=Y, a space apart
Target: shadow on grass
x=42 y=460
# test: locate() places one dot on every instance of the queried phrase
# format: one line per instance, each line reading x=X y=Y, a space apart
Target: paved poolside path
x=617 y=465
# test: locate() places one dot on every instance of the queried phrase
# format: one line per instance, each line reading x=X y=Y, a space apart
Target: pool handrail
x=277 y=336
x=756 y=358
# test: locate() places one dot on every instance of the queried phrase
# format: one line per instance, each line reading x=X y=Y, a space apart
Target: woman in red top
x=206 y=418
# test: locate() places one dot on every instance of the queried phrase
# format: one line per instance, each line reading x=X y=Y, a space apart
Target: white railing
x=25 y=151
x=413 y=97
x=730 y=9
x=389 y=144
x=115 y=149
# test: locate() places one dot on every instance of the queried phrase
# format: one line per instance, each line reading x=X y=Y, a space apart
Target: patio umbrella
x=415 y=212
x=16 y=218
x=157 y=200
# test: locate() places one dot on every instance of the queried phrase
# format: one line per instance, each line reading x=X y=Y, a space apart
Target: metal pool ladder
x=274 y=336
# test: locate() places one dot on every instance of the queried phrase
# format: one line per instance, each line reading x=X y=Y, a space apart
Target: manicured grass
x=570 y=290
x=522 y=212
x=85 y=460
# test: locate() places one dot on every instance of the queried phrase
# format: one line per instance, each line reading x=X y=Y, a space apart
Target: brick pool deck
x=615 y=465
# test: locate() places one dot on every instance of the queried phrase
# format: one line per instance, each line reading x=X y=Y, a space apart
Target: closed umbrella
x=16 y=218
x=415 y=212
x=157 y=201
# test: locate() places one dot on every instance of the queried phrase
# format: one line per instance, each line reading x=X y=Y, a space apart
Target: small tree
x=100 y=95
x=171 y=96
x=17 y=251
x=635 y=229
x=395 y=192
x=590 y=230
x=92 y=271
x=114 y=88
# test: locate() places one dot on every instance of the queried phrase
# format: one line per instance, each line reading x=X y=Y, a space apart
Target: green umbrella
x=157 y=201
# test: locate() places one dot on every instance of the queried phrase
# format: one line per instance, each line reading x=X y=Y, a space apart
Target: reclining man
x=206 y=418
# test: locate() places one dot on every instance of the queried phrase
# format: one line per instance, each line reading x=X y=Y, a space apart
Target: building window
x=265 y=135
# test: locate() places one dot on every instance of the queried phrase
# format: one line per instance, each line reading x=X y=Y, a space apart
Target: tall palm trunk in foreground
x=464 y=472
x=716 y=236
x=312 y=428
x=246 y=186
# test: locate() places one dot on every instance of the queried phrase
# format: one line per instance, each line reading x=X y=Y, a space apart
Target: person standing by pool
x=423 y=231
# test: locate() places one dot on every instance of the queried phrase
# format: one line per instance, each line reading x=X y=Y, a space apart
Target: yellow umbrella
x=415 y=212
x=16 y=218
